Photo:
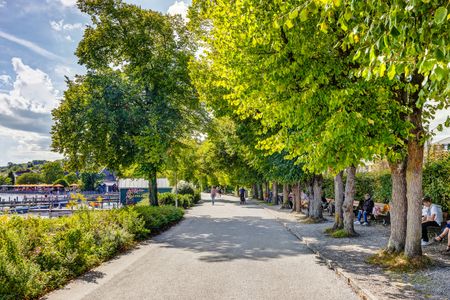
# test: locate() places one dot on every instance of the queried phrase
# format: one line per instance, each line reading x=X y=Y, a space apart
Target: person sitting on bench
x=445 y=232
x=432 y=218
x=367 y=208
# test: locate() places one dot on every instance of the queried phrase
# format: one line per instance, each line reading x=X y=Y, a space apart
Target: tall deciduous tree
x=136 y=100
x=407 y=42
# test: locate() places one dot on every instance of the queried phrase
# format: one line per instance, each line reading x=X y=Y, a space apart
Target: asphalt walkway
x=225 y=251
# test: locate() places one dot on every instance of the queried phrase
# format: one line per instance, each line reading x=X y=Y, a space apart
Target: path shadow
x=229 y=239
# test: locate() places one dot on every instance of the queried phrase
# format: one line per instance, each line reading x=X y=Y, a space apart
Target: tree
x=290 y=77
x=30 y=178
x=90 y=181
x=62 y=181
x=51 y=171
x=136 y=100
x=71 y=178
x=407 y=43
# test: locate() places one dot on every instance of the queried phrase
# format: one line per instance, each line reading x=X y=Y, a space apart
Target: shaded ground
x=350 y=254
x=225 y=251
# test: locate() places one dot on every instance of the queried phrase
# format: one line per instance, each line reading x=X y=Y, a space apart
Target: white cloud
x=69 y=38
x=30 y=45
x=21 y=146
x=25 y=118
x=2 y=3
x=62 y=71
x=60 y=26
x=68 y=3
x=28 y=105
x=5 y=79
x=179 y=8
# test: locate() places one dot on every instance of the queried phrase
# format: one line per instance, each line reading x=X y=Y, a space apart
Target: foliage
x=51 y=171
x=184 y=200
x=184 y=188
x=62 y=181
x=436 y=181
x=71 y=178
x=30 y=178
x=5 y=180
x=89 y=181
x=37 y=255
x=136 y=101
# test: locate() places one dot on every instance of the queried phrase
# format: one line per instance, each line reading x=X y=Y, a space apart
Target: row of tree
x=329 y=85
x=283 y=91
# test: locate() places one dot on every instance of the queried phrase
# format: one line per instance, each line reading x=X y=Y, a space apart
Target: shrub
x=184 y=201
x=185 y=188
x=37 y=255
x=436 y=181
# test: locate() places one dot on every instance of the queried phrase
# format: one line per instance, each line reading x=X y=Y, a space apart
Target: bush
x=436 y=181
x=185 y=188
x=184 y=201
x=37 y=255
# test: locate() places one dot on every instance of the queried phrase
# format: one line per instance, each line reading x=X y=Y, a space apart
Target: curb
x=353 y=283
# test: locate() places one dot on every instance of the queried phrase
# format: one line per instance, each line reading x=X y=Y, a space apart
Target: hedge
x=38 y=255
x=184 y=201
x=436 y=183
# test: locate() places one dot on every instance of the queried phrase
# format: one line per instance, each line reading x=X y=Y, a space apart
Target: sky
x=38 y=39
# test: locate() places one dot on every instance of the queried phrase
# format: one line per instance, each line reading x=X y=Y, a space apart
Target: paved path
x=225 y=251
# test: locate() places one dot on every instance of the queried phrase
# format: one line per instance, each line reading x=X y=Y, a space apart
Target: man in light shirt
x=432 y=216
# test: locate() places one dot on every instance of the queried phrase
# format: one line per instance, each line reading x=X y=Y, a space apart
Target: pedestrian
x=219 y=191
x=242 y=195
x=213 y=194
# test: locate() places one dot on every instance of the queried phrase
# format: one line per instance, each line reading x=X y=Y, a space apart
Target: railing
x=61 y=204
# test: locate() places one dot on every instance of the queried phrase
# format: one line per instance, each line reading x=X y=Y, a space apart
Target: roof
x=443 y=141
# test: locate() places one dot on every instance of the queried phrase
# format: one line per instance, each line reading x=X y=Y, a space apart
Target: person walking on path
x=213 y=194
x=242 y=195
x=432 y=217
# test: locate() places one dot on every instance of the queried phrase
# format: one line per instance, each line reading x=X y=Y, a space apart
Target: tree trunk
x=260 y=192
x=297 y=198
x=153 y=189
x=398 y=207
x=285 y=196
x=347 y=206
x=274 y=193
x=338 y=201
x=254 y=191
x=310 y=197
x=316 y=211
x=414 y=185
x=236 y=191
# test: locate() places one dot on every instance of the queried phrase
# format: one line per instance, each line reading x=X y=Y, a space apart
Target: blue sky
x=38 y=39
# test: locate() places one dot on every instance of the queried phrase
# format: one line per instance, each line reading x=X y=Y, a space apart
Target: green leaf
x=293 y=14
x=304 y=15
x=289 y=24
x=382 y=69
x=391 y=72
x=357 y=55
x=440 y=15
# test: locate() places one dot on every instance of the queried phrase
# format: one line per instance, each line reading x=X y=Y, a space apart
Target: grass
x=398 y=262
x=337 y=233
x=310 y=220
